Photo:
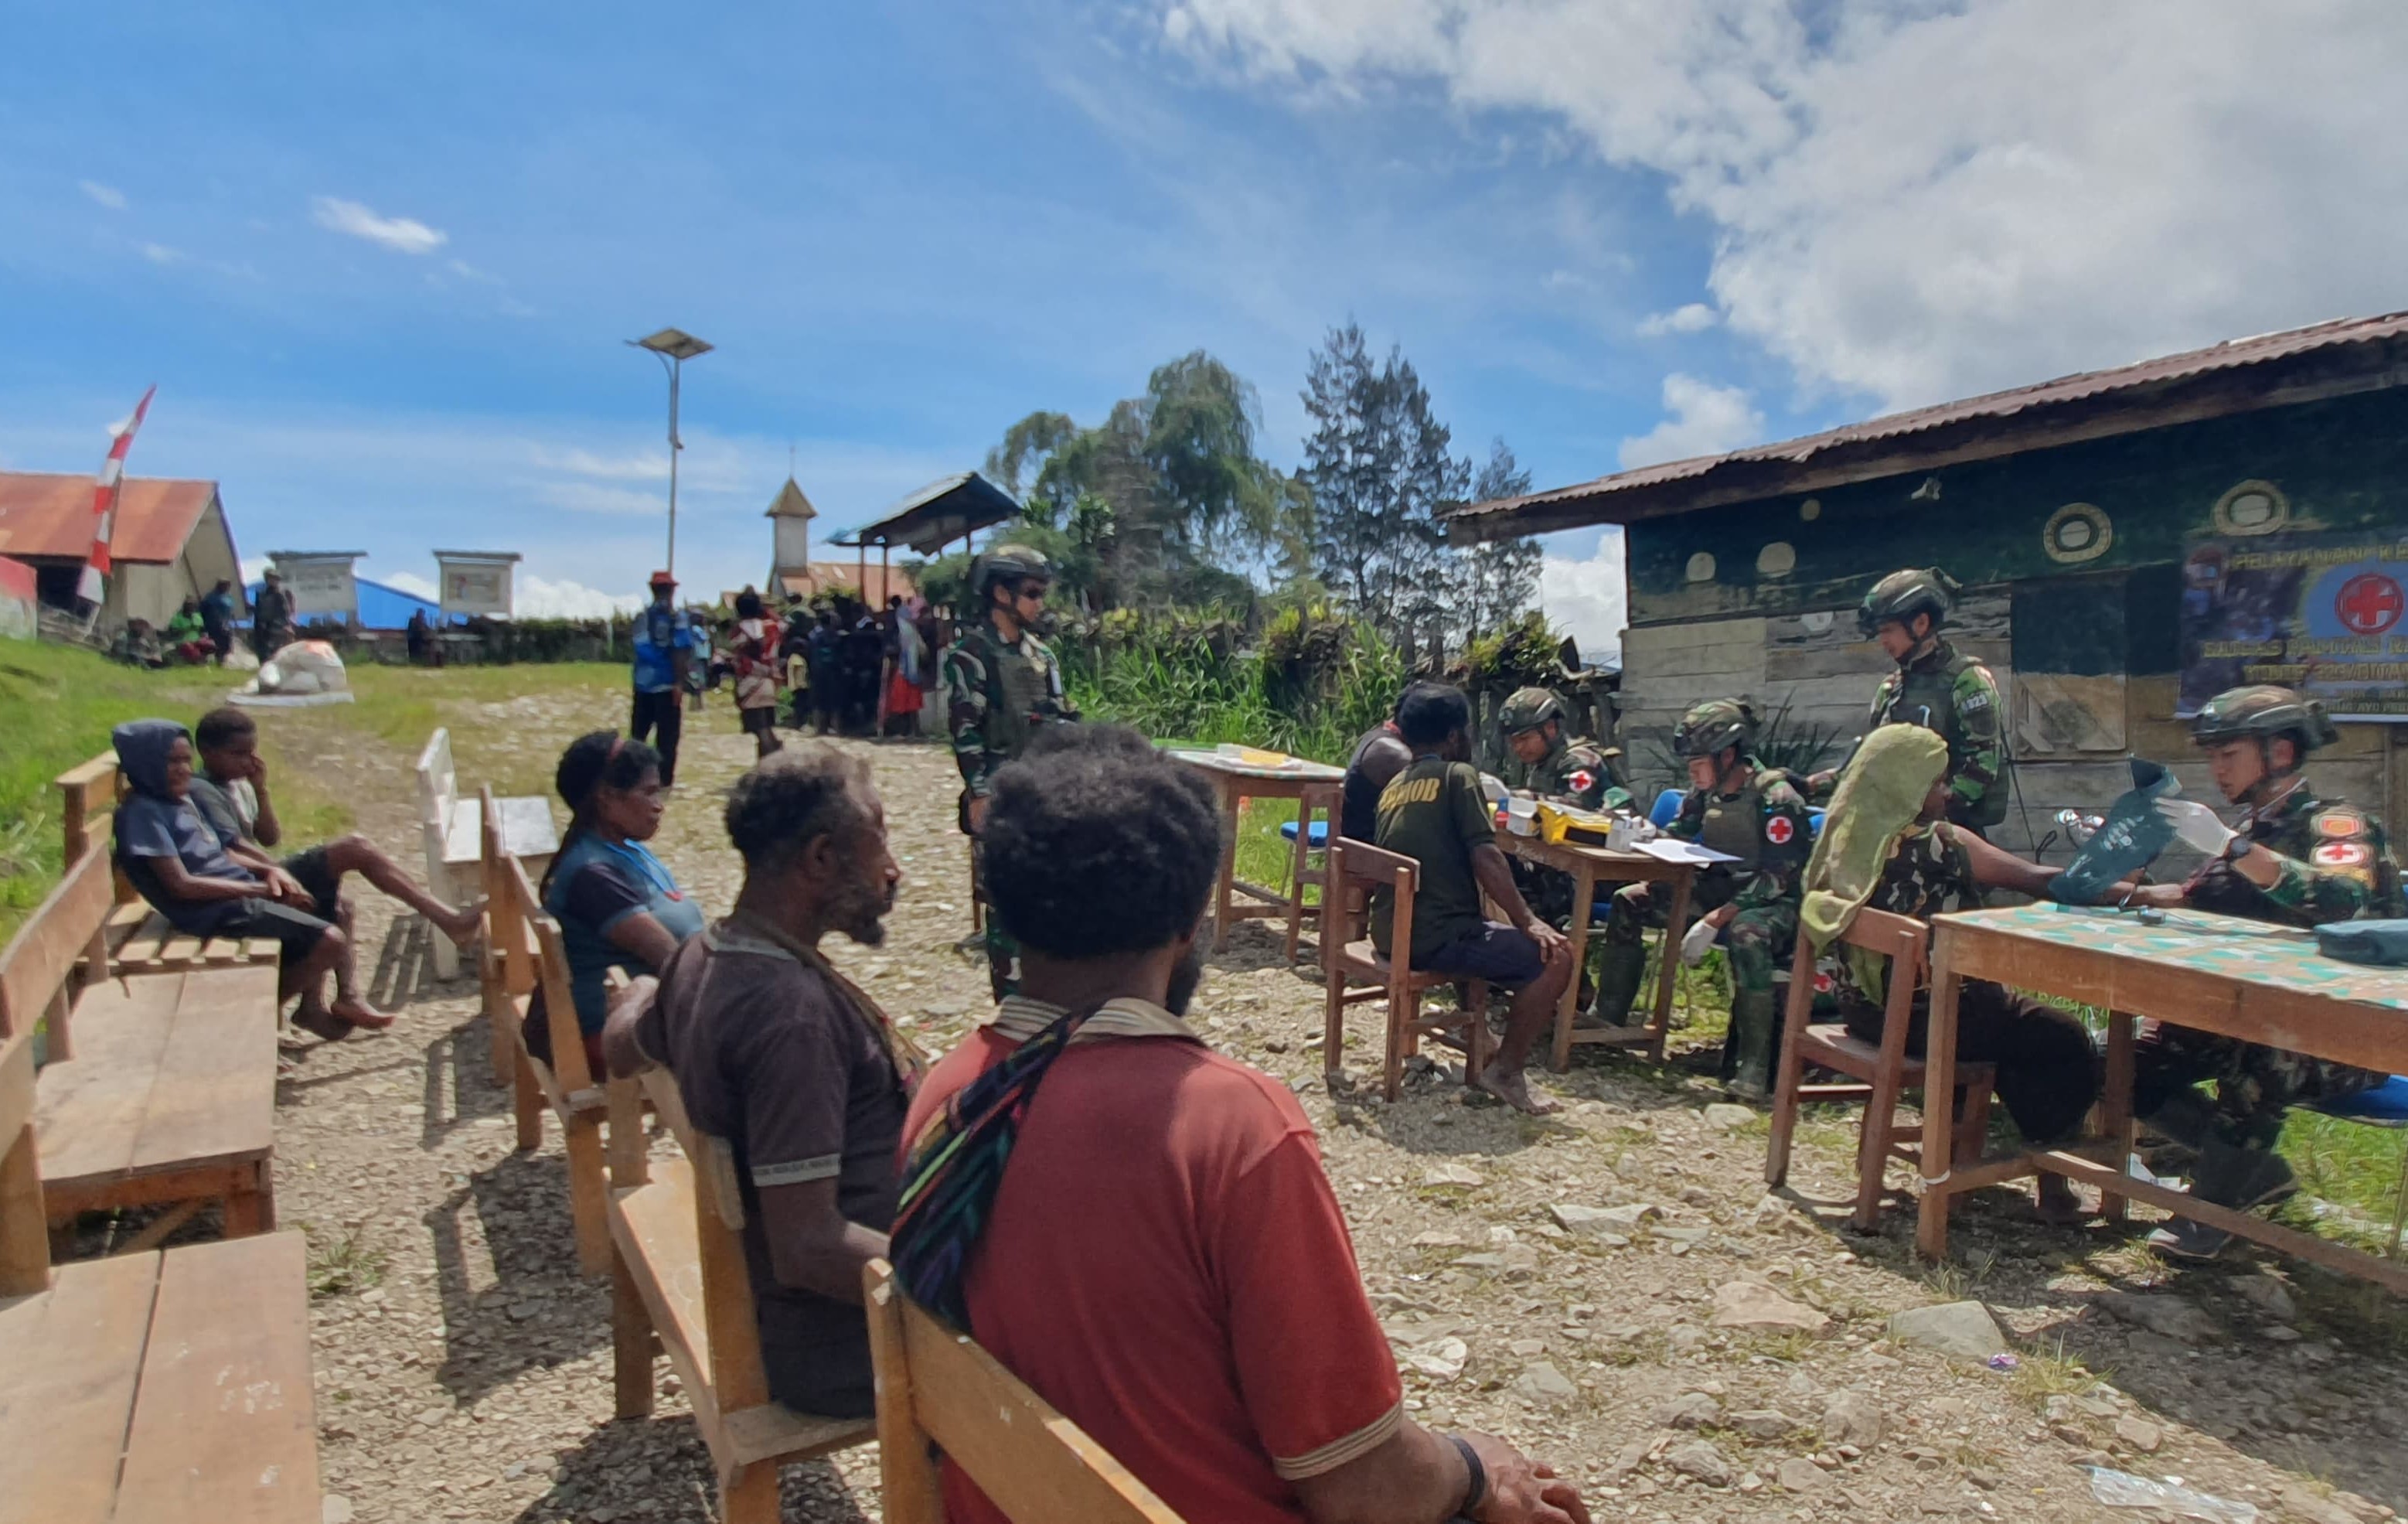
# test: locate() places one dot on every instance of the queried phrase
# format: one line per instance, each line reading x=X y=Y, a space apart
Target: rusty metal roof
x=48 y=513
x=2239 y=374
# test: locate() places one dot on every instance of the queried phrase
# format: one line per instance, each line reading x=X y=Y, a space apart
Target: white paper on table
x=1671 y=849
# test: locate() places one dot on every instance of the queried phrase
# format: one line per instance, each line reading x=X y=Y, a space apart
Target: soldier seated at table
x=1888 y=845
x=1739 y=807
x=1554 y=765
x=2296 y=860
x=1435 y=813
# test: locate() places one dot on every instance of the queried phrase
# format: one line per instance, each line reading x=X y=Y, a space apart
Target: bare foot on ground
x=1512 y=1087
x=358 y=1013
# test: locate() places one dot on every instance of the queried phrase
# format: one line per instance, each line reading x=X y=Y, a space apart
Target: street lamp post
x=673 y=347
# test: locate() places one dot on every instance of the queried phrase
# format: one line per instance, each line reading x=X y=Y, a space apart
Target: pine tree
x=1496 y=582
x=1378 y=467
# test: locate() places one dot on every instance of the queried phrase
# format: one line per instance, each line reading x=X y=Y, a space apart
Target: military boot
x=1618 y=972
x=1748 y=1047
x=2228 y=1175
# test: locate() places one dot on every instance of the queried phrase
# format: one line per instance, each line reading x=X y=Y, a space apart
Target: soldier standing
x=2297 y=861
x=1738 y=806
x=1002 y=681
x=1937 y=687
x=1554 y=765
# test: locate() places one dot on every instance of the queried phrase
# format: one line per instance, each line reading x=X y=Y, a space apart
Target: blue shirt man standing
x=663 y=650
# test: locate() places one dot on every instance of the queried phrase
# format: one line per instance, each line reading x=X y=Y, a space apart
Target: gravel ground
x=1610 y=1288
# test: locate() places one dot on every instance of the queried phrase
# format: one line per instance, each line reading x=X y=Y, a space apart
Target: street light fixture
x=673 y=347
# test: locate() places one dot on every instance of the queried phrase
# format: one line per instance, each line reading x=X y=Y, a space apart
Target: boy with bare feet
x=1434 y=812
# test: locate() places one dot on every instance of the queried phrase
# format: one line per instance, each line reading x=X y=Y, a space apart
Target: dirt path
x=1556 y=1282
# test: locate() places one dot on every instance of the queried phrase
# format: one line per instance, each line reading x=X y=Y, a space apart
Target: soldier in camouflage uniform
x=1000 y=683
x=1736 y=805
x=1936 y=687
x=2297 y=861
x=1554 y=765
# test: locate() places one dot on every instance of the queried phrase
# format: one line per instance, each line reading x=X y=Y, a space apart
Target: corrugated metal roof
x=1862 y=443
x=939 y=514
x=48 y=513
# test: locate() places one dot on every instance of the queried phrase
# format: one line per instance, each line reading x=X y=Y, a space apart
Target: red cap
x=661 y=579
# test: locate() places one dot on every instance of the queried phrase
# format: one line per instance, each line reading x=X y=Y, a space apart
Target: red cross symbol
x=1777 y=830
x=2368 y=603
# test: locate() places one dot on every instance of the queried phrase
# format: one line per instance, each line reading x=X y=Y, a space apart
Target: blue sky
x=381 y=263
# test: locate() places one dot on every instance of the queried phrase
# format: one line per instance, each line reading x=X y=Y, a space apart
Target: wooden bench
x=149 y=1386
x=160 y=1087
x=524 y=953
x=452 y=830
x=939 y=1391
x=679 y=1277
x=1882 y=1075
x=1353 y=969
x=137 y=938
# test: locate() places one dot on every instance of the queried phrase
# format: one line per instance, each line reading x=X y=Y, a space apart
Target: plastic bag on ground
x=2122 y=1489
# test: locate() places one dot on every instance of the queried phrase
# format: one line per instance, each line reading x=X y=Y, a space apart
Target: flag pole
x=92 y=588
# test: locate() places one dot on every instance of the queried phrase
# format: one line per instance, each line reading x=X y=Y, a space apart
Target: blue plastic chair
x=2384 y=1106
x=1315 y=839
x=1668 y=807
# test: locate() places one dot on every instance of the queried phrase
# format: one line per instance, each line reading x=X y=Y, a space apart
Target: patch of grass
x=2050 y=1373
x=1788 y=1347
x=343 y=1265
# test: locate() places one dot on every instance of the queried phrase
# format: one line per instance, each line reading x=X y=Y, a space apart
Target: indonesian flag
x=93 y=586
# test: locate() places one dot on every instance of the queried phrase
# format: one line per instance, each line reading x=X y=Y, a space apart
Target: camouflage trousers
x=1758 y=940
x=2254 y=1084
x=1002 y=950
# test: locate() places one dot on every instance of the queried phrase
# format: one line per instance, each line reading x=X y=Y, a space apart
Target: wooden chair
x=150 y=1385
x=452 y=831
x=677 y=1275
x=523 y=952
x=1353 y=971
x=157 y=1089
x=1883 y=1074
x=137 y=939
x=938 y=1391
x=1324 y=800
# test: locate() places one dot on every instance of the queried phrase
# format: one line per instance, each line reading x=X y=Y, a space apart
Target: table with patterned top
x=2216 y=973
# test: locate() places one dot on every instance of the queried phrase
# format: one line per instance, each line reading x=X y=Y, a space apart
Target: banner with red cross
x=2326 y=614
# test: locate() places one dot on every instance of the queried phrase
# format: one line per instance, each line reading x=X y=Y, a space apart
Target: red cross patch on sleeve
x=1581 y=781
x=1777 y=830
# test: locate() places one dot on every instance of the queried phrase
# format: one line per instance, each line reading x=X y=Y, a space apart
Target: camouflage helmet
x=1710 y=727
x=1010 y=563
x=1531 y=707
x=1902 y=595
x=2265 y=711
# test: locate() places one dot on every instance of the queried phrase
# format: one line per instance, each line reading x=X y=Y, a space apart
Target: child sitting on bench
x=182 y=866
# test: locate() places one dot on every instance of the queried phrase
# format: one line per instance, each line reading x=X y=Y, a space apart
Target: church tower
x=790 y=557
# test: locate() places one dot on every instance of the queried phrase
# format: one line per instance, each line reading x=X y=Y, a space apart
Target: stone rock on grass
x=1690 y=1410
x=1628 y=1216
x=1853 y=1417
x=1799 y=1476
x=1455 y=1174
x=1747 y=1304
x=2140 y=1433
x=1589 y=1222
x=2168 y=1316
x=1722 y=1117
x=1699 y=1458
x=2269 y=1295
x=1540 y=1382
x=1766 y=1424
x=2300 y=1503
x=1960 y=1329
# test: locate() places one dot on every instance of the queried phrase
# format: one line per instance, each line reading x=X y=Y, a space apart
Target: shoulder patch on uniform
x=2340 y=855
x=1779 y=830
x=1582 y=780
x=2341 y=823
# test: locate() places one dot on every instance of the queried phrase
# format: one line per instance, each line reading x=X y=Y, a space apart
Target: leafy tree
x=1378 y=467
x=1027 y=443
x=1496 y=582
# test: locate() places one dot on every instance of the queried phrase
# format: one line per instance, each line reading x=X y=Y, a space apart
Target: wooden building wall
x=1758 y=600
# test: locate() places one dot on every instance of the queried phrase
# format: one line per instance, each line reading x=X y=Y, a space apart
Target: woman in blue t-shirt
x=616 y=904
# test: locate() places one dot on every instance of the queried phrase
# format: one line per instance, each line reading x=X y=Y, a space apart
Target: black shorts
x=1500 y=954
x=296 y=932
x=760 y=721
x=315 y=875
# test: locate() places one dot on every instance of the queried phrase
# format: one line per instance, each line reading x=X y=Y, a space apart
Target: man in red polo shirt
x=1163 y=1258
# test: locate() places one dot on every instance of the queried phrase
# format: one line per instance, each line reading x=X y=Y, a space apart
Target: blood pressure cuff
x=2129 y=839
x=2381 y=943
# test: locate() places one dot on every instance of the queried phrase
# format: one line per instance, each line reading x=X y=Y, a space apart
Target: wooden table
x=2215 y=973
x=163 y=1385
x=1233 y=781
x=170 y=1097
x=1589 y=867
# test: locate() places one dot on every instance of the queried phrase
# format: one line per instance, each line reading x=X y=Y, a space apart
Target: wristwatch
x=2236 y=849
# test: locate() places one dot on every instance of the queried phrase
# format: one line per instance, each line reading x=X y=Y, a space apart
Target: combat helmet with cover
x=1902 y=595
x=1710 y=727
x=1010 y=563
x=1531 y=707
x=2263 y=711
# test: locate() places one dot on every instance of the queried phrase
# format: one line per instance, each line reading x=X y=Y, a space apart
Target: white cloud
x=538 y=597
x=590 y=497
x=406 y=582
x=466 y=271
x=253 y=569
x=1700 y=418
x=1694 y=317
x=638 y=466
x=107 y=195
x=159 y=253
x=1920 y=200
x=405 y=234
x=1585 y=599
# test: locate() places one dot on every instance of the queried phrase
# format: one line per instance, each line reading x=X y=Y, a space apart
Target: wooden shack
x=2130 y=540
